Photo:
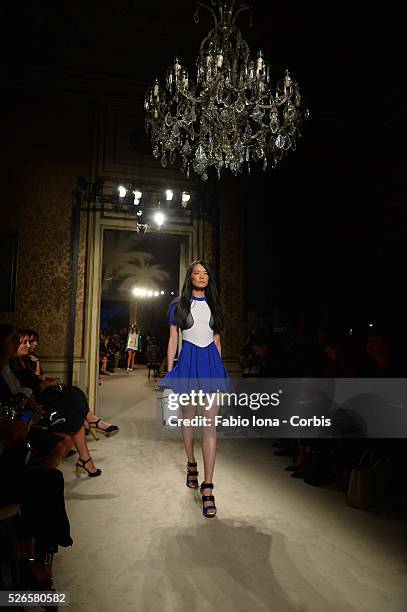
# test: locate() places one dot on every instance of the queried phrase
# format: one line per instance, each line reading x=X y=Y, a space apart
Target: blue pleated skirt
x=198 y=368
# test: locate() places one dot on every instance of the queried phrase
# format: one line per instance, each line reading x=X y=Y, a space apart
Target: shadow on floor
x=227 y=565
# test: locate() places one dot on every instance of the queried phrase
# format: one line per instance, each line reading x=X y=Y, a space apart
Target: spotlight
x=169 y=194
x=185 y=198
x=159 y=218
x=162 y=292
x=122 y=191
x=137 y=196
x=156 y=293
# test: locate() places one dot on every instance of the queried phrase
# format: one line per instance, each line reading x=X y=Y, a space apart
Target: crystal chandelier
x=230 y=116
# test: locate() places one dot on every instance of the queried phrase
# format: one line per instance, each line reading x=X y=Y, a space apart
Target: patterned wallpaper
x=45 y=157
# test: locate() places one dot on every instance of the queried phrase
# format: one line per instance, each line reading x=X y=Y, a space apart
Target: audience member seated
x=49 y=446
x=104 y=354
x=34 y=360
x=69 y=402
x=43 y=524
x=263 y=360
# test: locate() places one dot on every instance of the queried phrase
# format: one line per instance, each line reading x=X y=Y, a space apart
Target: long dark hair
x=212 y=297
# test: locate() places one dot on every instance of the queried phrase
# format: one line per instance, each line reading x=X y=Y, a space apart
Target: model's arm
x=172 y=347
x=216 y=339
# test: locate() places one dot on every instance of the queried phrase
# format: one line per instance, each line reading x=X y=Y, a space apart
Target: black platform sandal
x=108 y=431
x=82 y=466
x=192 y=475
x=208 y=511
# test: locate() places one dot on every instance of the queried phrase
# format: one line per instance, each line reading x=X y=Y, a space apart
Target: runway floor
x=141 y=542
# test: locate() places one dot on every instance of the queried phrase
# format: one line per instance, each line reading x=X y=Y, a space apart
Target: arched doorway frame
x=192 y=234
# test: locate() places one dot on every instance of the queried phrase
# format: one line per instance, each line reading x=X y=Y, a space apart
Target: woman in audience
x=34 y=361
x=104 y=354
x=94 y=424
x=49 y=447
x=39 y=489
x=70 y=402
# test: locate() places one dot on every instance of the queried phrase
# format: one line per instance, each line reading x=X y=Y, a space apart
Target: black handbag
x=368 y=481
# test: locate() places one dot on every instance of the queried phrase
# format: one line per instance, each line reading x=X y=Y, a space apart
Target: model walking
x=198 y=314
x=132 y=346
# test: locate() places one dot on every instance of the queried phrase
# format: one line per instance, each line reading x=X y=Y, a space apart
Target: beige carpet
x=141 y=542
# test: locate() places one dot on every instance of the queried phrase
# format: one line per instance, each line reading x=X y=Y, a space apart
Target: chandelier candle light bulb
x=230 y=115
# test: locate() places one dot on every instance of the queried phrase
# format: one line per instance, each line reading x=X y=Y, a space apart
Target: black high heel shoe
x=80 y=467
x=108 y=431
x=192 y=475
x=205 y=509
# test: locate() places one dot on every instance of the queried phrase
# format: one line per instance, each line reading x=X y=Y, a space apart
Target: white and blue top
x=199 y=329
x=199 y=365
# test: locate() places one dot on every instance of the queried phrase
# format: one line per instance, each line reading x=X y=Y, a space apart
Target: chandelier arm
x=249 y=7
x=247 y=49
x=278 y=102
x=235 y=60
x=208 y=8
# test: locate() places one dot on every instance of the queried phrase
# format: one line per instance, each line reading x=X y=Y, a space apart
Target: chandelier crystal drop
x=230 y=116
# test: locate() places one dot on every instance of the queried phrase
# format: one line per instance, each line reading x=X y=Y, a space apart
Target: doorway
x=168 y=250
x=140 y=277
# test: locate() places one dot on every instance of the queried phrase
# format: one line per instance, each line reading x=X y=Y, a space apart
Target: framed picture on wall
x=8 y=271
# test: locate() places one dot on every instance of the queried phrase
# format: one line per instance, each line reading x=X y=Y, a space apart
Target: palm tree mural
x=146 y=275
x=125 y=267
x=119 y=257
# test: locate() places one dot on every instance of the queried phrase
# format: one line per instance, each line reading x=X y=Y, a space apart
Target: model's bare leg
x=188 y=412
x=128 y=359
x=209 y=440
